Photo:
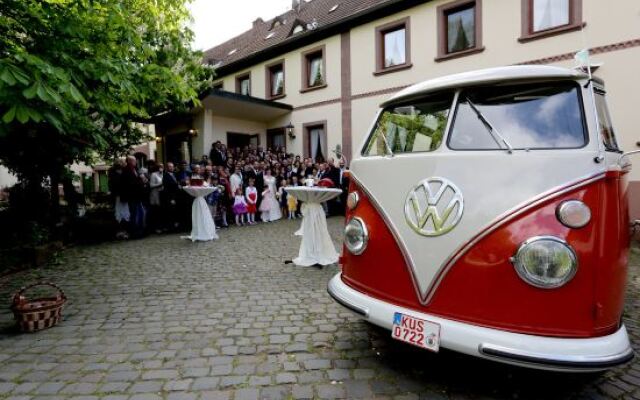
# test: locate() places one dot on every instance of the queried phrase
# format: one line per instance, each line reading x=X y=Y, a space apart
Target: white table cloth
x=316 y=246
x=202 y=226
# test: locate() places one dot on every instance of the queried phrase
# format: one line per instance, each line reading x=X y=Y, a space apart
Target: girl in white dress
x=269 y=207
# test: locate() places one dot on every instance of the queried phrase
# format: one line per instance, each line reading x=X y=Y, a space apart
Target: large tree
x=76 y=74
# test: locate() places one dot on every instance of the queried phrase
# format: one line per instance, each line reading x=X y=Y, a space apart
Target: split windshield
x=533 y=116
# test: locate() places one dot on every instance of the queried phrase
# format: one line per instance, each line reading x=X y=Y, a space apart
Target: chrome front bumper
x=558 y=354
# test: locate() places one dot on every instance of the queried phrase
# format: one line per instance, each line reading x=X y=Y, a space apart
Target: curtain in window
x=278 y=141
x=394 y=48
x=316 y=74
x=245 y=87
x=315 y=139
x=277 y=83
x=548 y=14
x=461 y=30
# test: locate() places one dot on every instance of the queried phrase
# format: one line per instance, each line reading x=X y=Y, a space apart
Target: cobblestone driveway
x=165 y=318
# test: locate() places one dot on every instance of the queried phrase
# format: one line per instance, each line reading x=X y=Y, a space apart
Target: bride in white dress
x=269 y=206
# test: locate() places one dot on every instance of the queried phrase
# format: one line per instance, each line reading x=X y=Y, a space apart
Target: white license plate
x=416 y=331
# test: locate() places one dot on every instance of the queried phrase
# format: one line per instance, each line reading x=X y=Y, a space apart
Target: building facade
x=312 y=79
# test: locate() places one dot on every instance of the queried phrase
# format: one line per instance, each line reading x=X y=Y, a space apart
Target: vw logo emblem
x=434 y=207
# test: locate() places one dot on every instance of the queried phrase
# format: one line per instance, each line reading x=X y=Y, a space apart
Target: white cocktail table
x=316 y=246
x=202 y=226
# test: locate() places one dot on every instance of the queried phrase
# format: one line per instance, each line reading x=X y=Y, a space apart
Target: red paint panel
x=611 y=274
x=380 y=271
x=483 y=288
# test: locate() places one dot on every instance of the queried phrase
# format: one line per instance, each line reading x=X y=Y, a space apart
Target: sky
x=216 y=21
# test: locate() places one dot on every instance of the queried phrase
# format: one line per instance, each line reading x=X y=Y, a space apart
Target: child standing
x=251 y=194
x=292 y=206
x=282 y=196
x=239 y=207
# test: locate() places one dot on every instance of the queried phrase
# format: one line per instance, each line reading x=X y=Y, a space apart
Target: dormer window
x=276 y=23
x=298 y=27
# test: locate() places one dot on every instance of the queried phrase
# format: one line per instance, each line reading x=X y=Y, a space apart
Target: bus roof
x=486 y=76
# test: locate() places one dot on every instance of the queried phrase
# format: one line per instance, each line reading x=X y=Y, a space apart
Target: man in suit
x=132 y=192
x=217 y=155
x=332 y=172
x=169 y=197
x=308 y=168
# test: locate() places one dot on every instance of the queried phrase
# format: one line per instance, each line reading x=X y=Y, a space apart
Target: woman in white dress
x=269 y=207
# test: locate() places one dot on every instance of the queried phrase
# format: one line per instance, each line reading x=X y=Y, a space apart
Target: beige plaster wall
x=605 y=24
x=293 y=76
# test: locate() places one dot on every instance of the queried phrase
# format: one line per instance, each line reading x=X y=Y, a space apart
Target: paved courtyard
x=165 y=318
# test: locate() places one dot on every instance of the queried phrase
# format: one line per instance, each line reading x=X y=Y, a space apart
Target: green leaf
x=75 y=93
x=53 y=120
x=7 y=77
x=30 y=92
x=22 y=114
x=42 y=93
x=52 y=94
x=9 y=115
x=34 y=115
x=20 y=75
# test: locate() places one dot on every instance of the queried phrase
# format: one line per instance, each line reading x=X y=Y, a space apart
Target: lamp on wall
x=290 y=130
x=193 y=132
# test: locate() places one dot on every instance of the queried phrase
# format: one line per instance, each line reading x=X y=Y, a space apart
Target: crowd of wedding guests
x=251 y=187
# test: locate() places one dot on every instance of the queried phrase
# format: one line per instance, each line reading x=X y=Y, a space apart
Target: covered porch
x=233 y=119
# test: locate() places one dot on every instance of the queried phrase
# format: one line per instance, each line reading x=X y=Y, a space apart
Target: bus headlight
x=356 y=236
x=545 y=262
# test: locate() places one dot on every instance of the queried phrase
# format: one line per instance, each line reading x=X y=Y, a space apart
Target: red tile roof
x=312 y=15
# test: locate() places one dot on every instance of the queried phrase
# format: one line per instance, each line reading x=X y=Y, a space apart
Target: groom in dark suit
x=217 y=155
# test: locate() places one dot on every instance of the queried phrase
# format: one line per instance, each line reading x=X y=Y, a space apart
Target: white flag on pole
x=582 y=58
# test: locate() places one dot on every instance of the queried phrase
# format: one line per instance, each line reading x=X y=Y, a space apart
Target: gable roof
x=319 y=18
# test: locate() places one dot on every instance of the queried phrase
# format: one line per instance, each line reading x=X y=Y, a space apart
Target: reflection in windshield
x=528 y=116
x=410 y=128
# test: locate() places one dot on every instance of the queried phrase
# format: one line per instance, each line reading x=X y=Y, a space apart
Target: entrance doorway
x=242 y=140
x=177 y=148
x=276 y=139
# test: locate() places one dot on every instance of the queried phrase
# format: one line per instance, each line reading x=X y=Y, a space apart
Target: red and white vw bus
x=488 y=214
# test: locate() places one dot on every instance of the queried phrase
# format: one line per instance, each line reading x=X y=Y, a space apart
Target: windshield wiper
x=499 y=139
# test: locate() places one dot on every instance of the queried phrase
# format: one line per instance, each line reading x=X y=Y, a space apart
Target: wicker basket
x=37 y=314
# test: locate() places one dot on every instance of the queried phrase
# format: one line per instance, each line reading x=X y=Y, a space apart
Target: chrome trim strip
x=503 y=219
x=362 y=311
x=572 y=362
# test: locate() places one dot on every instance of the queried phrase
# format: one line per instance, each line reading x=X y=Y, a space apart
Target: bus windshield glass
x=532 y=116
